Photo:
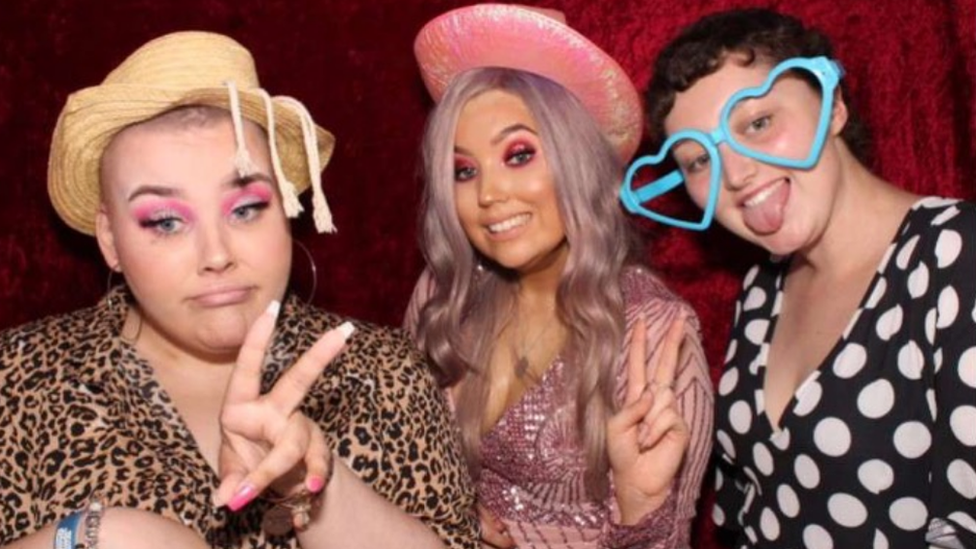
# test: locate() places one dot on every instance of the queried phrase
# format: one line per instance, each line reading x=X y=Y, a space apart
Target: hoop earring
x=314 y=269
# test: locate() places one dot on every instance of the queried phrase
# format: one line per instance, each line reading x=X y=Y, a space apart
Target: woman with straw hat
x=576 y=376
x=197 y=406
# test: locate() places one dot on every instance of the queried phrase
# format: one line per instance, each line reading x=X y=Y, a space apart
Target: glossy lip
x=223 y=296
x=510 y=232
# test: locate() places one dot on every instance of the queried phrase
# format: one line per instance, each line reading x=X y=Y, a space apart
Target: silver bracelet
x=93 y=520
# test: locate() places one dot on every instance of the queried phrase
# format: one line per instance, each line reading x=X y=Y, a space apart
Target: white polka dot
x=728 y=382
x=769 y=524
x=948 y=214
x=807 y=472
x=738 y=312
x=725 y=442
x=933 y=406
x=850 y=360
x=807 y=397
x=876 y=476
x=963 y=423
x=912 y=439
x=877 y=292
x=905 y=254
x=918 y=281
x=762 y=458
x=889 y=323
x=832 y=437
x=777 y=304
x=750 y=277
x=789 y=504
x=876 y=399
x=718 y=515
x=967 y=367
x=933 y=202
x=966 y=521
x=815 y=537
x=847 y=510
x=937 y=360
x=719 y=479
x=962 y=478
x=730 y=352
x=781 y=439
x=930 y=319
x=880 y=541
x=755 y=299
x=911 y=361
x=908 y=514
x=740 y=416
x=948 y=307
x=751 y=534
x=947 y=248
x=756 y=331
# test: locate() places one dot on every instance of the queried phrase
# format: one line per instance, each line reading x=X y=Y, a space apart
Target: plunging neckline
x=776 y=429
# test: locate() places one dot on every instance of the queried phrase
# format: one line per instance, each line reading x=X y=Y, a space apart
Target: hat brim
x=93 y=116
x=508 y=36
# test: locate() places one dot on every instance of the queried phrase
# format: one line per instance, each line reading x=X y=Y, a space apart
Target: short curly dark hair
x=752 y=34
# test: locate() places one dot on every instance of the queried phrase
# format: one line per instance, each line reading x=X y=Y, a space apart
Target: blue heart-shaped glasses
x=827 y=72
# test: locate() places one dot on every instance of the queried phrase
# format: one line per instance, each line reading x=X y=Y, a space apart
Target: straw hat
x=183 y=68
x=537 y=41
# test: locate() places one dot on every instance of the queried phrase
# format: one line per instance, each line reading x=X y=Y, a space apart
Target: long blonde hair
x=472 y=299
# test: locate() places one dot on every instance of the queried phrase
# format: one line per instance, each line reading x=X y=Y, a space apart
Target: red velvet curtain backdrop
x=911 y=65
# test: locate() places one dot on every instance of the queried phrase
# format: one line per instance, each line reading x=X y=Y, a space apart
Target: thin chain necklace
x=522 y=354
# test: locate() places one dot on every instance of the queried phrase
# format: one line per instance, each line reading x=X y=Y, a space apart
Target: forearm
x=351 y=514
x=123 y=529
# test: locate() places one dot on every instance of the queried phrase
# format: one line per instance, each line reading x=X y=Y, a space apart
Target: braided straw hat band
x=180 y=69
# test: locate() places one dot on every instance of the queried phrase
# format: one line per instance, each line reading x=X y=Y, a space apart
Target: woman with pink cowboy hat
x=576 y=376
x=198 y=405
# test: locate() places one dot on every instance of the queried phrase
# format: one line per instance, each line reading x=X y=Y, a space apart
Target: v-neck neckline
x=762 y=358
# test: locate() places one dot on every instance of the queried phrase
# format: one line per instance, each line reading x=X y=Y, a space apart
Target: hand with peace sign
x=266 y=440
x=647 y=438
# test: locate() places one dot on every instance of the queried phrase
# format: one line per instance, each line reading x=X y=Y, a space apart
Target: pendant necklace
x=522 y=354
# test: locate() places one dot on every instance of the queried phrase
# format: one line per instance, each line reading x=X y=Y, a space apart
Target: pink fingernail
x=244 y=495
x=274 y=307
x=315 y=484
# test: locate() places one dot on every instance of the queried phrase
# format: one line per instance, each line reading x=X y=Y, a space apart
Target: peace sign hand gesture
x=266 y=440
x=647 y=438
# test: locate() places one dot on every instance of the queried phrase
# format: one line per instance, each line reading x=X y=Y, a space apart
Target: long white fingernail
x=274 y=307
x=346 y=329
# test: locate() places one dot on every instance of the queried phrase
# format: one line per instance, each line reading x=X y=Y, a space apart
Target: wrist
x=634 y=505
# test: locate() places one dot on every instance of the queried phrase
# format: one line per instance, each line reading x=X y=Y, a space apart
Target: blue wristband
x=64 y=535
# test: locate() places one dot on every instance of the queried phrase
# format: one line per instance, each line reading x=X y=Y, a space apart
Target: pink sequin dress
x=533 y=465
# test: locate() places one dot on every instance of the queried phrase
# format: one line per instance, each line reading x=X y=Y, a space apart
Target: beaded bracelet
x=93 y=520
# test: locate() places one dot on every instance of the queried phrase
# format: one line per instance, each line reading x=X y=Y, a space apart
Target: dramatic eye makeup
x=464 y=169
x=162 y=215
x=519 y=152
x=247 y=201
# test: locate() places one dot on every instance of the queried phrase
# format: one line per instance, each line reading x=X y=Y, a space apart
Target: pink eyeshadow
x=256 y=192
x=152 y=208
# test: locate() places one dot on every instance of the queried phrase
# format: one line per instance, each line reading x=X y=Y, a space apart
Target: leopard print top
x=82 y=417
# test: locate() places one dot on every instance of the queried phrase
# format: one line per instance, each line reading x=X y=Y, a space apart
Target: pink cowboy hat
x=537 y=41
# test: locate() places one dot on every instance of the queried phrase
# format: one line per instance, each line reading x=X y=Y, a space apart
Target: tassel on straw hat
x=184 y=68
x=538 y=41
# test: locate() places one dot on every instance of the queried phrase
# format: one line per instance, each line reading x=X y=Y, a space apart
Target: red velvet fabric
x=911 y=65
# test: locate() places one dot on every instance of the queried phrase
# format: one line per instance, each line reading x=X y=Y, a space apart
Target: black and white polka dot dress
x=877 y=448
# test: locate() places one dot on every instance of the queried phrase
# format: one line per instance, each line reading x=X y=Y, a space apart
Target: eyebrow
x=237 y=181
x=509 y=130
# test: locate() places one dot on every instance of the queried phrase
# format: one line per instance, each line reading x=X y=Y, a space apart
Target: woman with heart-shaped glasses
x=845 y=412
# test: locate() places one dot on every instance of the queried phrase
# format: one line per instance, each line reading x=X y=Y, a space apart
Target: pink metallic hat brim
x=509 y=36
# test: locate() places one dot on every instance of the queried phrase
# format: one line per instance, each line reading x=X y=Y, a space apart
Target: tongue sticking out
x=767 y=216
